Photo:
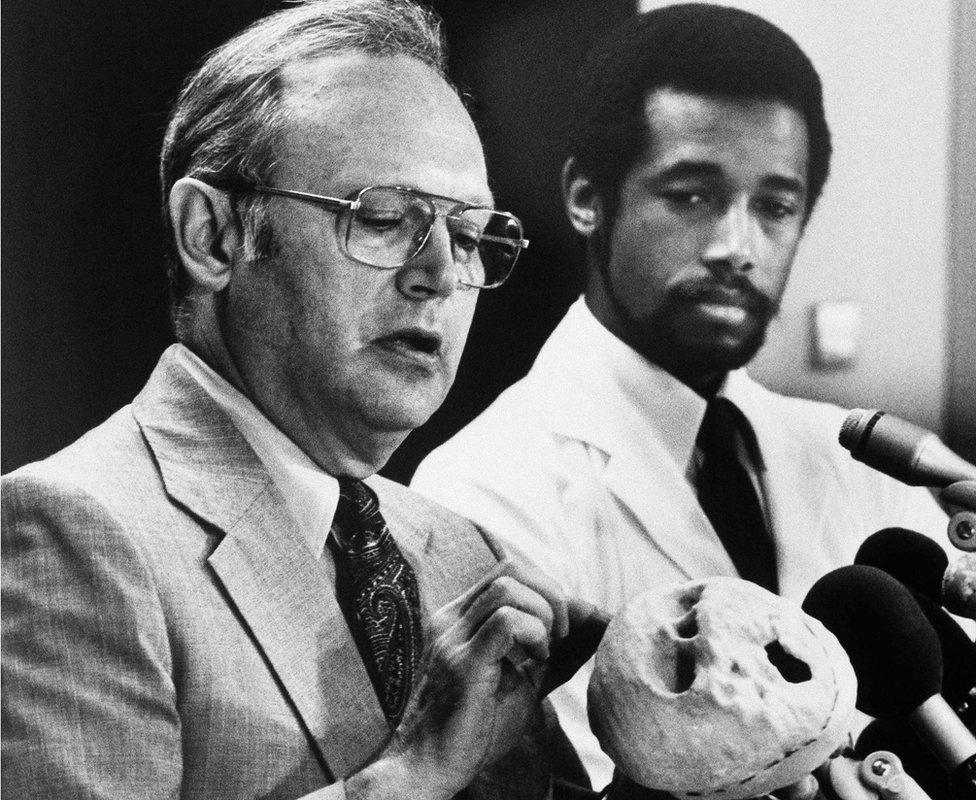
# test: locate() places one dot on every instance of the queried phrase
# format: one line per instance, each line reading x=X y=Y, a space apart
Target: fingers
x=806 y=788
x=504 y=622
x=547 y=588
x=542 y=587
x=507 y=592
x=840 y=779
x=508 y=584
x=506 y=632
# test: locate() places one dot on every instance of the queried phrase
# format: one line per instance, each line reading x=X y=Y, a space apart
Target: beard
x=675 y=338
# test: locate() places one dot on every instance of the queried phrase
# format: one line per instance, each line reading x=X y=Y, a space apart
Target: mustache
x=732 y=288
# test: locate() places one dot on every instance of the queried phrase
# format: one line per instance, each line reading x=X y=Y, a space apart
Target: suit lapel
x=282 y=593
x=655 y=491
x=289 y=604
x=447 y=553
x=795 y=517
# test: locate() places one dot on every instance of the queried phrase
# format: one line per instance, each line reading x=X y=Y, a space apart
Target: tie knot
x=718 y=427
x=358 y=522
x=357 y=493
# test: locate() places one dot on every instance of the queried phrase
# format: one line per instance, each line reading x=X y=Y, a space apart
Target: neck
x=610 y=312
x=353 y=450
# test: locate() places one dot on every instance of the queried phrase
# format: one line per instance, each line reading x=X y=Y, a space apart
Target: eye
x=777 y=209
x=380 y=219
x=466 y=238
x=687 y=198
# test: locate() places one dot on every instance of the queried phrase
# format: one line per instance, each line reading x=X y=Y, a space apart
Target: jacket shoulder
x=107 y=459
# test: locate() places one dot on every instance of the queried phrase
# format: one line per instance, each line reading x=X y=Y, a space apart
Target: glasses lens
x=486 y=245
x=388 y=227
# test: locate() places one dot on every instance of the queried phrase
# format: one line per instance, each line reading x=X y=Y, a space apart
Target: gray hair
x=228 y=118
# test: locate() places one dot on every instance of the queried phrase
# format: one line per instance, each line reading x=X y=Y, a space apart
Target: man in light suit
x=637 y=452
x=200 y=597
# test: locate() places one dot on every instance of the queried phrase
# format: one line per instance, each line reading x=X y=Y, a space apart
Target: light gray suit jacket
x=166 y=632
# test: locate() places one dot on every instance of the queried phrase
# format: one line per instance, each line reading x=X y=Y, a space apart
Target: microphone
x=902 y=450
x=915 y=560
x=922 y=566
x=919 y=563
x=897 y=658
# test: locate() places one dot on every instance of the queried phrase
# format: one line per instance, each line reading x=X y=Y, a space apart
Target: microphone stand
x=960 y=497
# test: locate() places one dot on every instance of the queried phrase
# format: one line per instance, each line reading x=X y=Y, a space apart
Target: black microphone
x=902 y=450
x=915 y=560
x=919 y=563
x=897 y=658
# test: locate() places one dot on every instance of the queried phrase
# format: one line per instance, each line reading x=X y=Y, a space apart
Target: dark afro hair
x=700 y=48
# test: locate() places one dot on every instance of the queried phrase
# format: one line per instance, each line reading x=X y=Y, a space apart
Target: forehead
x=355 y=120
x=744 y=137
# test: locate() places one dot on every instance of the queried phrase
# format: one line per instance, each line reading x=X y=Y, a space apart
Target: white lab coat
x=580 y=469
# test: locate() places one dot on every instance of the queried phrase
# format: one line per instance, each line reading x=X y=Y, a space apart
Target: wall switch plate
x=835 y=332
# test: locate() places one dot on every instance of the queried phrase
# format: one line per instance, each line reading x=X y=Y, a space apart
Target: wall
x=879 y=234
x=961 y=400
x=85 y=88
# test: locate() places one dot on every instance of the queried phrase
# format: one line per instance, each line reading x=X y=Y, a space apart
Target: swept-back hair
x=228 y=119
x=700 y=48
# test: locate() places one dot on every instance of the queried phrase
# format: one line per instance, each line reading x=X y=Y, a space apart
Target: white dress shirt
x=310 y=494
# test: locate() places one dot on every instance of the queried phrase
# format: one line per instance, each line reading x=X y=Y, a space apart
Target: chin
x=400 y=412
x=720 y=350
x=722 y=357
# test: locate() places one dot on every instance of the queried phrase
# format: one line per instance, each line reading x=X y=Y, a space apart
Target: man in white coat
x=699 y=149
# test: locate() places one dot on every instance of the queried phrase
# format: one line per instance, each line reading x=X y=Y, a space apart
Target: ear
x=206 y=232
x=584 y=206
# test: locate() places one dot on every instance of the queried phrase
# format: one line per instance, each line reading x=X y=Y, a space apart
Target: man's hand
x=478 y=686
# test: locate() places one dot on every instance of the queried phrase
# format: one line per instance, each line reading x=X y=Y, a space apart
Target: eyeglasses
x=387 y=226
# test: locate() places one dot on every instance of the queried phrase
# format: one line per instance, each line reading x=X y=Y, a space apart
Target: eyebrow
x=686 y=169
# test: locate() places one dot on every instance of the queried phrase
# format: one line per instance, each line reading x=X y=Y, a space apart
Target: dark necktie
x=728 y=498
x=377 y=591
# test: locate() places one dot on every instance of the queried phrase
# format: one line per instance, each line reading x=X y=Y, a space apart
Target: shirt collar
x=635 y=396
x=310 y=494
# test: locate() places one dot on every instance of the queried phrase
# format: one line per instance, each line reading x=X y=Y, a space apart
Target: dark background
x=86 y=88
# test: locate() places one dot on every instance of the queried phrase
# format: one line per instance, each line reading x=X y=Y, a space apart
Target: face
x=346 y=358
x=706 y=229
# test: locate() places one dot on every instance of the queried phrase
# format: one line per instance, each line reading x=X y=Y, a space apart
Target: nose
x=731 y=242
x=430 y=273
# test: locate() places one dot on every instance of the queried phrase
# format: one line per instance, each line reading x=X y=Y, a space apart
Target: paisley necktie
x=377 y=591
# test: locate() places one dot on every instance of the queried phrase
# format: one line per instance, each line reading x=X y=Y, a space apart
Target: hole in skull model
x=789 y=666
x=674 y=665
x=687 y=626
x=690 y=598
x=685 y=672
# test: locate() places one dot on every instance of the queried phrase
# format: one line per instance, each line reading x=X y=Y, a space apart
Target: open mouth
x=413 y=342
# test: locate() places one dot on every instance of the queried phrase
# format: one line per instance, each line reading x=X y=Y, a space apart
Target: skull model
x=719 y=689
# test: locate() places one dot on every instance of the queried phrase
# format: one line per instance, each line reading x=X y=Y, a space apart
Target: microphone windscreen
x=958 y=652
x=907 y=556
x=892 y=647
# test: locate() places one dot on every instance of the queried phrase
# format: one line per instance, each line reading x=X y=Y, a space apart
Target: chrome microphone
x=902 y=450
